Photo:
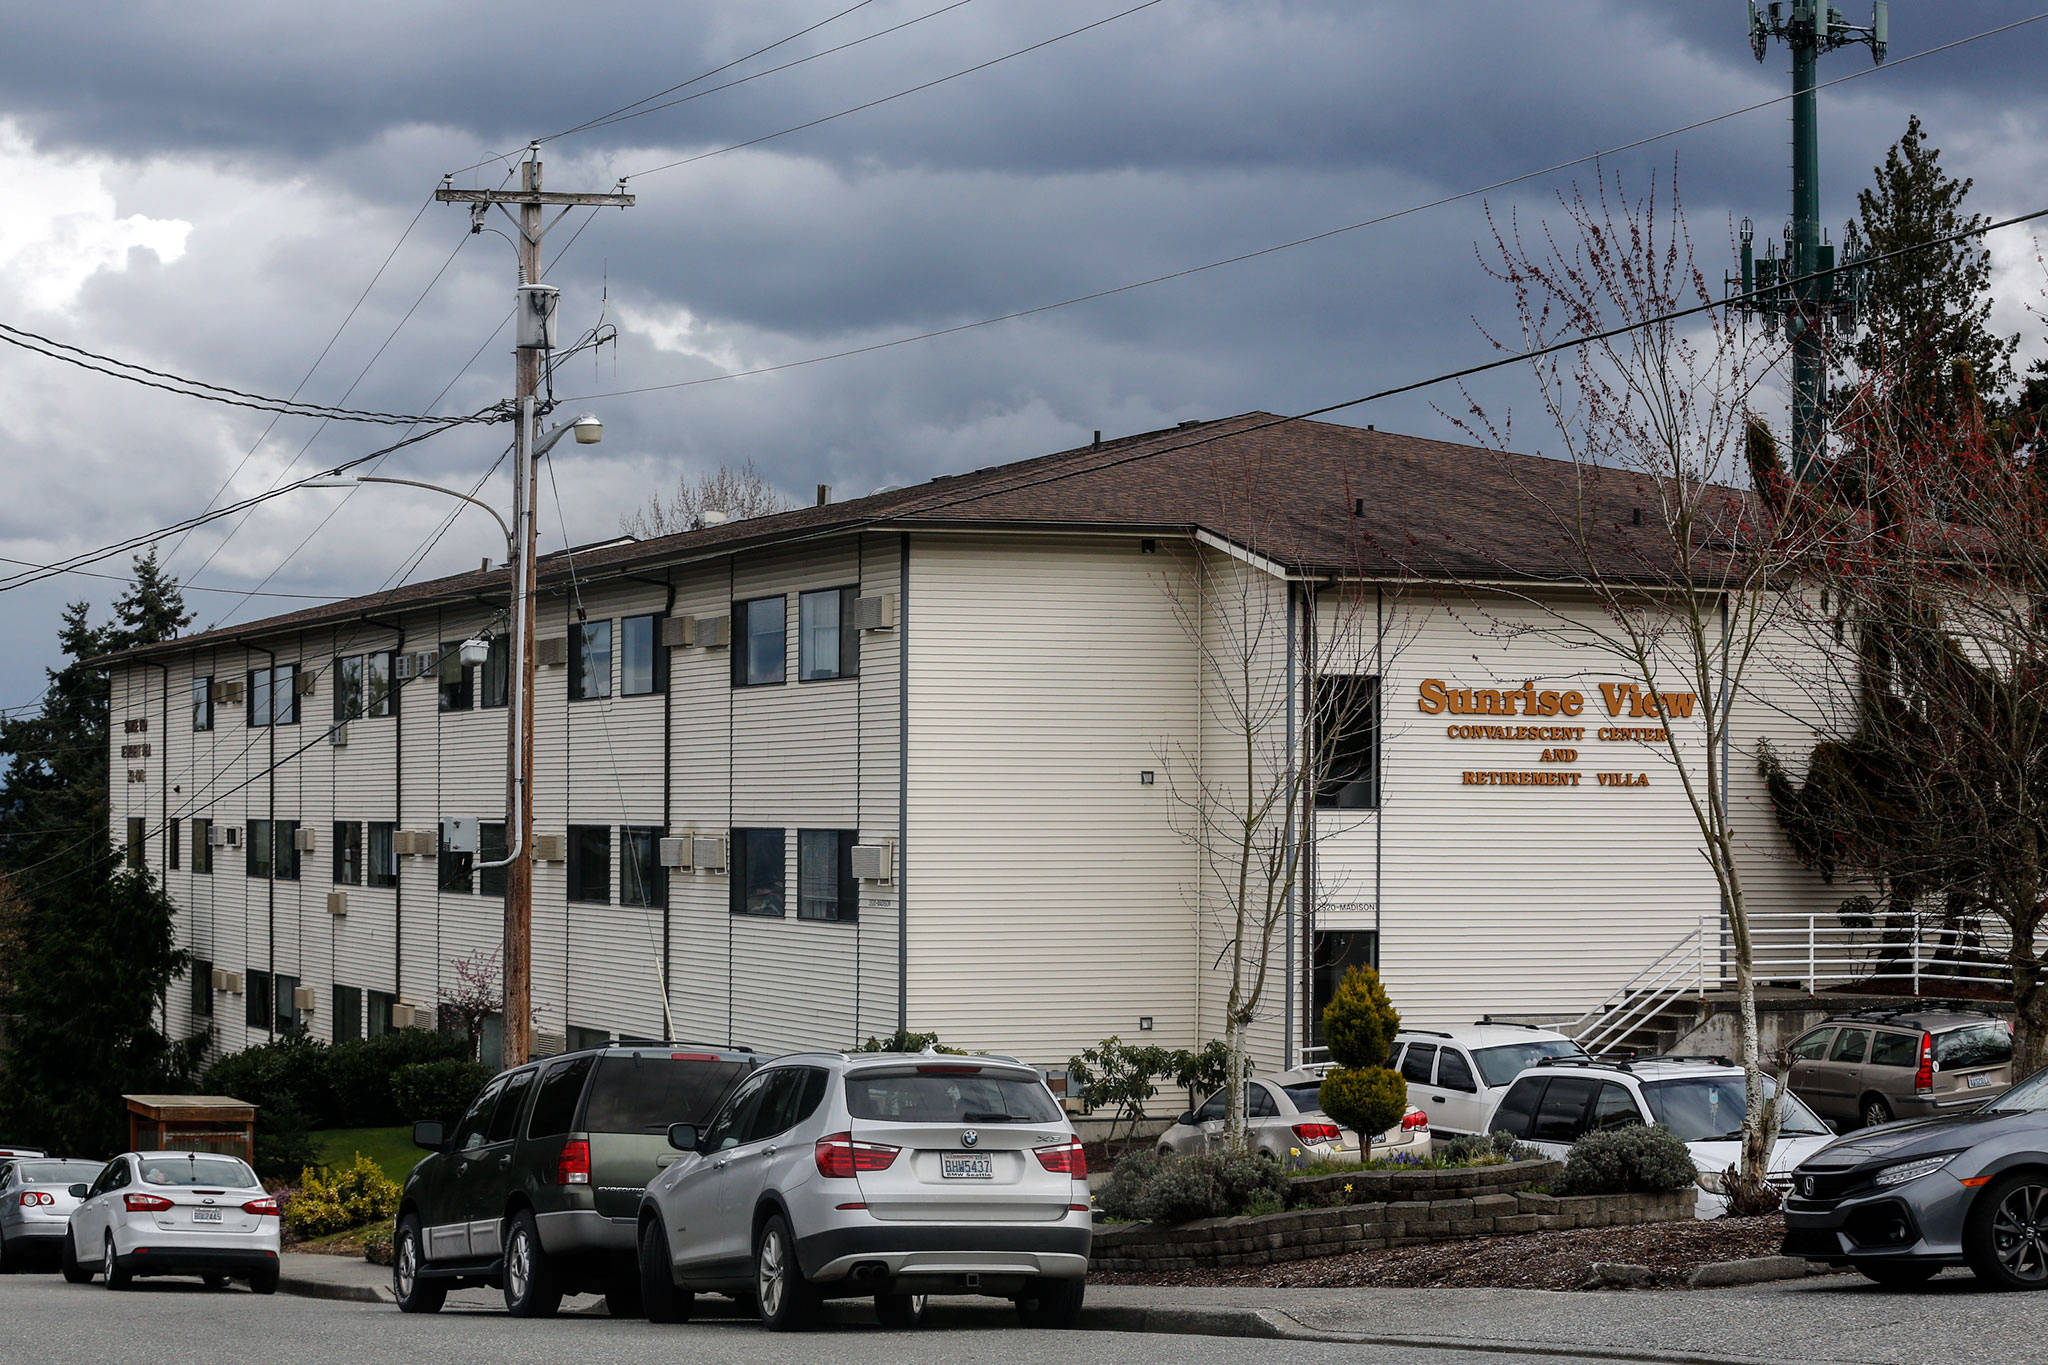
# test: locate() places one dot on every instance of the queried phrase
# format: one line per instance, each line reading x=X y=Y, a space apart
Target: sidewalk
x=333 y=1277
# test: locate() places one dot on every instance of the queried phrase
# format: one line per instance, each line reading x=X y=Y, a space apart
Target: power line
x=36 y=344
x=182 y=587
x=1241 y=257
x=885 y=99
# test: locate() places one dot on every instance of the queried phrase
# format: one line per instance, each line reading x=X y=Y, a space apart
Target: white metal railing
x=1681 y=970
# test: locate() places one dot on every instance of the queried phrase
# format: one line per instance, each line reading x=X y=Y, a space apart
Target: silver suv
x=892 y=1175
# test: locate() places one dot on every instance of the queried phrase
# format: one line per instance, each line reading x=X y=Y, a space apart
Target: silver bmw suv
x=891 y=1175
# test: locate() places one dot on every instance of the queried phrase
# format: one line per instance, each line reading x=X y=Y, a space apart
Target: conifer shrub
x=1359 y=1024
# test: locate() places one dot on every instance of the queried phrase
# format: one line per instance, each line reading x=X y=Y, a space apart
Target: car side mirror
x=683 y=1136
x=1188 y=1120
x=78 y=1191
x=430 y=1134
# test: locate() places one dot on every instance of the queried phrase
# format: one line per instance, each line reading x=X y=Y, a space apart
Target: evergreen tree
x=1928 y=311
x=86 y=947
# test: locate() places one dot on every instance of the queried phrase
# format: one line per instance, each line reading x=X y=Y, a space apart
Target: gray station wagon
x=1874 y=1066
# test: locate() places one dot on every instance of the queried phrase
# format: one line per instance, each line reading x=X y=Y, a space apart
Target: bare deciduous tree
x=738 y=493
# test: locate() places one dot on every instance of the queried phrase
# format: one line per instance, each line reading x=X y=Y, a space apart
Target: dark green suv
x=536 y=1189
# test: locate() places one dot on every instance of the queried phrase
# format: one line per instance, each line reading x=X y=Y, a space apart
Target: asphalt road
x=54 y=1323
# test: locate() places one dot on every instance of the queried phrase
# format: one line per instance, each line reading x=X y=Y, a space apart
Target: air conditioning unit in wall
x=679 y=632
x=678 y=852
x=216 y=836
x=547 y=848
x=305 y=681
x=550 y=1044
x=714 y=632
x=402 y=1016
x=303 y=839
x=551 y=651
x=220 y=980
x=227 y=690
x=233 y=982
x=337 y=903
x=303 y=999
x=426 y=662
x=338 y=736
x=876 y=612
x=401 y=667
x=707 y=852
x=418 y=843
x=874 y=862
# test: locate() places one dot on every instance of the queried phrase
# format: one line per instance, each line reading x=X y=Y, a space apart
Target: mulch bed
x=1538 y=1260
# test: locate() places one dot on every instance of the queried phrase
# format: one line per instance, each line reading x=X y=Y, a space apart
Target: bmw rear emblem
x=969 y=1138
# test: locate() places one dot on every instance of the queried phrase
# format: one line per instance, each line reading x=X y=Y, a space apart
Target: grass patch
x=390 y=1148
x=349 y=1243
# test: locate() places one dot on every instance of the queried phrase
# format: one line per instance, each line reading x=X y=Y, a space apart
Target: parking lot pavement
x=179 y=1320
x=1826 y=1319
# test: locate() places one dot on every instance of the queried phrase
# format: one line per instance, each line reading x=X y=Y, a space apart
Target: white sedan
x=173 y=1213
x=1284 y=1119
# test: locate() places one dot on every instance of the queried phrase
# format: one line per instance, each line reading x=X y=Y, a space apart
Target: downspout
x=1719 y=789
x=667 y=582
x=163 y=824
x=1294 y=852
x=270 y=832
x=397 y=812
x=1379 y=761
x=903 y=786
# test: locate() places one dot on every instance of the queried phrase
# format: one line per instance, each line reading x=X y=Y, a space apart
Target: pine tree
x=1928 y=310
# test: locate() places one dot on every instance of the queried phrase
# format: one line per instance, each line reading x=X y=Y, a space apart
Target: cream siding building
x=1019 y=701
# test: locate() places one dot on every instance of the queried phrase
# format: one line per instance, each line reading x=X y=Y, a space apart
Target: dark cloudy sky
x=207 y=188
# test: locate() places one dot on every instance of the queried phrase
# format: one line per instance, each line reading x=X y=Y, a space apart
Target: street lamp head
x=589 y=430
x=474 y=651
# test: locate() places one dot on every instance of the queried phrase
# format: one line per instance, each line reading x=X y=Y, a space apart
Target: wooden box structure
x=191 y=1123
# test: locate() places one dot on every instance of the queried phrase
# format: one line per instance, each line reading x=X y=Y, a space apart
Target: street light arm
x=437 y=488
x=589 y=431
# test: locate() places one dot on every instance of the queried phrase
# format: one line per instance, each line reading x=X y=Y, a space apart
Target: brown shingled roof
x=1315 y=497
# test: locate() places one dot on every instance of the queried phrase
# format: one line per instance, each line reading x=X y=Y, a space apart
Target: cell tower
x=1802 y=288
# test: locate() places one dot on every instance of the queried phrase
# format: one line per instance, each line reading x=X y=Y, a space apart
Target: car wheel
x=1053 y=1304
x=409 y=1286
x=7 y=1266
x=264 y=1281
x=75 y=1271
x=531 y=1289
x=1875 y=1111
x=1898 y=1274
x=900 y=1312
x=110 y=1267
x=788 y=1301
x=660 y=1299
x=2005 y=1238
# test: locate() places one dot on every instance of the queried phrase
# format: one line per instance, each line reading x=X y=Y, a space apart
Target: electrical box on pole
x=537 y=304
x=1804 y=291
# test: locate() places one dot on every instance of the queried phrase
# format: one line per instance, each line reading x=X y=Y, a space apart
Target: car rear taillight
x=1066 y=1159
x=266 y=1205
x=572 y=1167
x=31 y=1198
x=145 y=1203
x=1306 y=1133
x=1415 y=1122
x=1923 y=1079
x=841 y=1158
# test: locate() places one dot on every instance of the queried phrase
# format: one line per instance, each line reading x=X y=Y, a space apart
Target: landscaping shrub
x=1359 y=1023
x=341 y=1200
x=1113 y=1076
x=1477 y=1148
x=1367 y=1100
x=1632 y=1160
x=903 y=1040
x=286 y=1079
x=1204 y=1071
x=360 y=1072
x=1154 y=1188
x=438 y=1090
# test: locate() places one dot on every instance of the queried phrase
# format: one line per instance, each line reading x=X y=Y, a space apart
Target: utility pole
x=1810 y=308
x=536 y=335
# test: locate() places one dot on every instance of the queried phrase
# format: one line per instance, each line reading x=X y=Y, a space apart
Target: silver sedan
x=1283 y=1119
x=35 y=1206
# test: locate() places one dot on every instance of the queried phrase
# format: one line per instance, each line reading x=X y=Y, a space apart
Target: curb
x=1755 y=1270
x=328 y=1289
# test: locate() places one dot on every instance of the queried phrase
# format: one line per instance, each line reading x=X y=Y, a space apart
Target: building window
x=825 y=888
x=759 y=652
x=202 y=988
x=643 y=662
x=348 y=687
x=1346 y=743
x=642 y=878
x=490 y=847
x=497 y=679
x=827 y=645
x=457 y=872
x=138 y=831
x=287 y=1009
x=348 y=1013
x=380 y=683
x=377 y=1020
x=590 y=660
x=202 y=848
x=256 y=849
x=457 y=692
x=256 y=999
x=581 y=1039
x=590 y=863
x=202 y=703
x=174 y=846
x=284 y=860
x=348 y=853
x=759 y=859
x=274 y=695
x=381 y=866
